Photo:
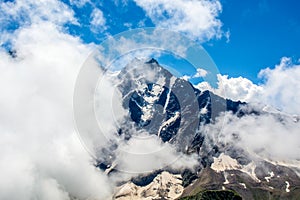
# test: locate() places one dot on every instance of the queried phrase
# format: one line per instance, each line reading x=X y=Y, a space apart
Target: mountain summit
x=173 y=109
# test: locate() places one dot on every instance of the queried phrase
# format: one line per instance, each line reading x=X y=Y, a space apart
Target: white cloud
x=273 y=135
x=279 y=89
x=79 y=3
x=234 y=88
x=197 y=19
x=282 y=86
x=186 y=77
x=267 y=136
x=97 y=20
x=145 y=153
x=227 y=36
x=31 y=11
x=200 y=73
x=41 y=156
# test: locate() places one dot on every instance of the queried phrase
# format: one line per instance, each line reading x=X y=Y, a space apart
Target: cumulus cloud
x=235 y=88
x=41 y=155
x=200 y=73
x=279 y=87
x=269 y=136
x=197 y=19
x=272 y=135
x=282 y=85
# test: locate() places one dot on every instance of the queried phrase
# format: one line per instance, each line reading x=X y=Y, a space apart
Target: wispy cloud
x=268 y=136
x=98 y=22
x=29 y=11
x=79 y=3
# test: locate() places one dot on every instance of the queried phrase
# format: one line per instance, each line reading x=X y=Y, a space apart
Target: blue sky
x=261 y=32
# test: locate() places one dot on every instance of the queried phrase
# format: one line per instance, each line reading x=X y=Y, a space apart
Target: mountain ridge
x=153 y=96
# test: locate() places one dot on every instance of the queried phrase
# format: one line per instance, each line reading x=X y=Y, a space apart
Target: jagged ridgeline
x=172 y=108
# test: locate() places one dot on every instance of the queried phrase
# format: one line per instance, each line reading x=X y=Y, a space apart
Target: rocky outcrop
x=163 y=186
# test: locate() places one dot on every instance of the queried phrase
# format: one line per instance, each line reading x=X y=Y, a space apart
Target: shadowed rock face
x=171 y=108
x=168 y=106
x=159 y=103
x=174 y=110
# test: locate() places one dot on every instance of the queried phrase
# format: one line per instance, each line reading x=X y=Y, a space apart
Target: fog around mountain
x=42 y=156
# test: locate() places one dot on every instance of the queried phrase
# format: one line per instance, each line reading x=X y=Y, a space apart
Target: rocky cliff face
x=173 y=109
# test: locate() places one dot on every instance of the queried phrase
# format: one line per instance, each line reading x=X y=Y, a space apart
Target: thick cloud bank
x=41 y=155
x=273 y=135
x=280 y=87
x=269 y=136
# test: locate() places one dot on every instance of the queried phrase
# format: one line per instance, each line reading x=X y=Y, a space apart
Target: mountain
x=175 y=110
x=171 y=107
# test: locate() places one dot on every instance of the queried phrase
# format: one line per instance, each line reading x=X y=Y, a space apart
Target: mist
x=42 y=155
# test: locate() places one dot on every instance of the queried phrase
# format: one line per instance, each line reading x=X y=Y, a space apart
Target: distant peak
x=152 y=60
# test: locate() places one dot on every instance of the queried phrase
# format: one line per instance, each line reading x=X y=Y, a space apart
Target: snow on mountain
x=176 y=112
x=163 y=186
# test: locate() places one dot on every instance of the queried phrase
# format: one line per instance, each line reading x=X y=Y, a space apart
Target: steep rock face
x=163 y=186
x=158 y=102
x=174 y=109
x=165 y=105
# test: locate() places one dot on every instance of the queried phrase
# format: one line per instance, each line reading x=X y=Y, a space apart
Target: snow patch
x=226 y=180
x=250 y=170
x=225 y=162
x=268 y=178
x=244 y=185
x=287 y=189
x=164 y=185
x=169 y=121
